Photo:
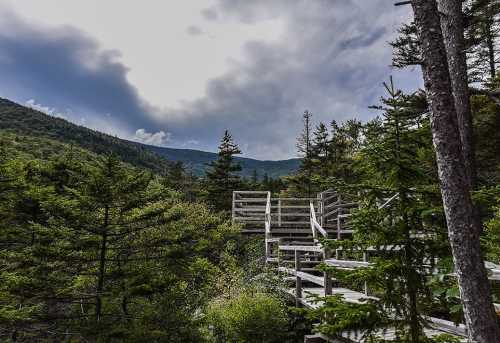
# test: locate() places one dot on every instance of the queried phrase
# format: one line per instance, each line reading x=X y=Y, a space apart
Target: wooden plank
x=249 y=200
x=310 y=248
x=250 y=192
x=350 y=296
x=318 y=280
x=285 y=214
x=447 y=326
x=251 y=219
x=250 y=209
x=346 y=263
x=320 y=229
x=295 y=199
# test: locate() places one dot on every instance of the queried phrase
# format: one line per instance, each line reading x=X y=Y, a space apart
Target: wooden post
x=365 y=259
x=267 y=248
x=279 y=212
x=321 y=209
x=298 y=280
x=326 y=275
x=234 y=205
x=339 y=219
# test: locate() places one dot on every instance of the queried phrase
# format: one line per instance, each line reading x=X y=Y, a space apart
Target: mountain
x=22 y=120
x=196 y=160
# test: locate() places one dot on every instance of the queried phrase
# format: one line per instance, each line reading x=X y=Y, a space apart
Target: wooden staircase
x=293 y=229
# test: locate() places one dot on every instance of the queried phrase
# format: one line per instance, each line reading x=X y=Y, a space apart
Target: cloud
x=331 y=59
x=209 y=14
x=31 y=103
x=159 y=138
x=65 y=68
x=194 y=30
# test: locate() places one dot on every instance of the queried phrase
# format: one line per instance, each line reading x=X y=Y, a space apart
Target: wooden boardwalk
x=292 y=228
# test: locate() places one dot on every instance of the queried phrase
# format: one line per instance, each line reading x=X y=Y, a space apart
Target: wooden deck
x=292 y=228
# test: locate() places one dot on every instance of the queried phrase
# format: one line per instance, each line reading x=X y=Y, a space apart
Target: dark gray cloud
x=331 y=58
x=67 y=70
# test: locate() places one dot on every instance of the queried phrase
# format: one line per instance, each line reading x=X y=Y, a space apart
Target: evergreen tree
x=401 y=237
x=101 y=252
x=304 y=148
x=222 y=176
x=320 y=151
x=482 y=33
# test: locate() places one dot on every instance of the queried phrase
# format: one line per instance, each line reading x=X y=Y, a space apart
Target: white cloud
x=158 y=138
x=31 y=103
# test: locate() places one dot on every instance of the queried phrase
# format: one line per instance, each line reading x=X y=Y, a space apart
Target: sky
x=179 y=73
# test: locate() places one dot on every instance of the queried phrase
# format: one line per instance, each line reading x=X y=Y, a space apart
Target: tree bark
x=452 y=25
x=473 y=282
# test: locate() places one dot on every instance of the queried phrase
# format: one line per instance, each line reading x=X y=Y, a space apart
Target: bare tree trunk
x=473 y=282
x=452 y=25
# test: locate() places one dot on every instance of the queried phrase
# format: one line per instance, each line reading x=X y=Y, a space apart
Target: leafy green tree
x=222 y=176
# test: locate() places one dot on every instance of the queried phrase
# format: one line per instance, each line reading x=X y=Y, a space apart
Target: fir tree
x=320 y=151
x=482 y=33
x=389 y=164
x=222 y=176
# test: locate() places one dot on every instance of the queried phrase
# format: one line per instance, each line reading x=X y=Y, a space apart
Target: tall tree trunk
x=473 y=282
x=452 y=25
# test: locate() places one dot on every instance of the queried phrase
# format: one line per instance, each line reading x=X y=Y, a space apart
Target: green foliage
x=331 y=157
x=491 y=238
x=340 y=316
x=93 y=249
x=222 y=176
x=40 y=128
x=28 y=122
x=255 y=317
x=400 y=237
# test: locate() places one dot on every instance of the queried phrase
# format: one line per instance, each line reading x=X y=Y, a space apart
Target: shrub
x=248 y=318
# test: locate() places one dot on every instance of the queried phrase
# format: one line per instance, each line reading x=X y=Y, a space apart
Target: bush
x=248 y=318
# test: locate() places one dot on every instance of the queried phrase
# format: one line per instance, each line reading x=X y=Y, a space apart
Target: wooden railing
x=315 y=225
x=258 y=210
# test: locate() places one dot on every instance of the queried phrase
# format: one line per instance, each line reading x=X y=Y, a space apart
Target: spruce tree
x=222 y=177
x=401 y=237
x=320 y=151
x=482 y=33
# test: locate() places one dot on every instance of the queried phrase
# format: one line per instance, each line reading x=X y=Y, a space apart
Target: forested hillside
x=27 y=121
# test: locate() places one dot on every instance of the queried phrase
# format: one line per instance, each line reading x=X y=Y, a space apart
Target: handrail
x=385 y=204
x=315 y=226
x=268 y=214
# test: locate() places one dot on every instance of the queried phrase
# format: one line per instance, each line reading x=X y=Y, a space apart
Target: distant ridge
x=26 y=121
